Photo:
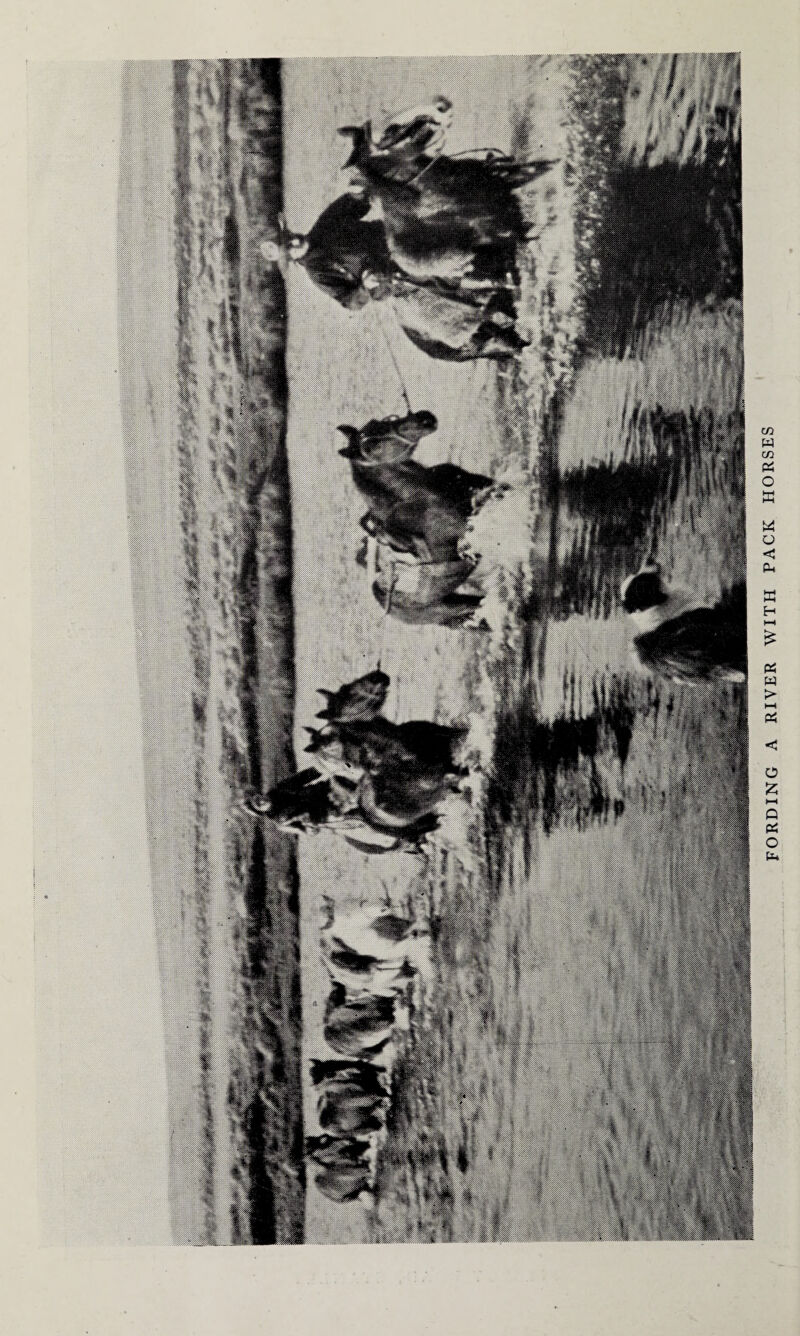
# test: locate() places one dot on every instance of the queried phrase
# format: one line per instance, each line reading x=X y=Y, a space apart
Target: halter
x=385 y=436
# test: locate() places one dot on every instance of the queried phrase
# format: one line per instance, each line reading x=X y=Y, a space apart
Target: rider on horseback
x=343 y=255
x=347 y=257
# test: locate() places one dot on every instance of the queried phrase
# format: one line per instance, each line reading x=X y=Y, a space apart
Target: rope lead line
x=395 y=364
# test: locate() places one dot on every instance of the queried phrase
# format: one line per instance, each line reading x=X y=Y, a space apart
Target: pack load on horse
x=372 y=949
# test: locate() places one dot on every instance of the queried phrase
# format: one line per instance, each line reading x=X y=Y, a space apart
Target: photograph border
x=561 y=1287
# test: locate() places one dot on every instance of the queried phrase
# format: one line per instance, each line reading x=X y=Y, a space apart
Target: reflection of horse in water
x=609 y=512
x=418 y=516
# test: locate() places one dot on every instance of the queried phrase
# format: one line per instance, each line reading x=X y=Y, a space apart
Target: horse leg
x=502 y=303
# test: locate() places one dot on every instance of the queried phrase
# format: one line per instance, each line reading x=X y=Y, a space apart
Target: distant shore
x=204 y=403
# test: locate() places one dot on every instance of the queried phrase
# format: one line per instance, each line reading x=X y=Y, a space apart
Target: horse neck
x=392 y=173
x=386 y=483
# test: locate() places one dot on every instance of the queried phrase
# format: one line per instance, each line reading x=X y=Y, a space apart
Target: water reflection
x=618 y=796
x=670 y=233
x=610 y=513
x=586 y=1072
x=568 y=770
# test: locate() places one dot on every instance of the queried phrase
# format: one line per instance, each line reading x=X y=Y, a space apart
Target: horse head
x=410 y=136
x=418 y=129
x=360 y=699
x=436 y=114
x=387 y=440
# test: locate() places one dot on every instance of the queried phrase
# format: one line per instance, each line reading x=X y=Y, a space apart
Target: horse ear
x=359 y=135
x=352 y=450
x=323 y=691
x=323 y=714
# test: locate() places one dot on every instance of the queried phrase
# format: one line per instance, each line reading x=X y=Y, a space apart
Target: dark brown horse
x=400 y=777
x=418 y=513
x=357 y=1027
x=360 y=699
x=343 y=1166
x=344 y=1184
x=445 y=217
x=395 y=800
x=401 y=772
x=347 y=1109
x=423 y=509
x=377 y=745
x=452 y=224
x=370 y=1078
x=337 y=1152
x=373 y=777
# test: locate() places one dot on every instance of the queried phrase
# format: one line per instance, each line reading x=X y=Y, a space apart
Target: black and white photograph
x=391 y=650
